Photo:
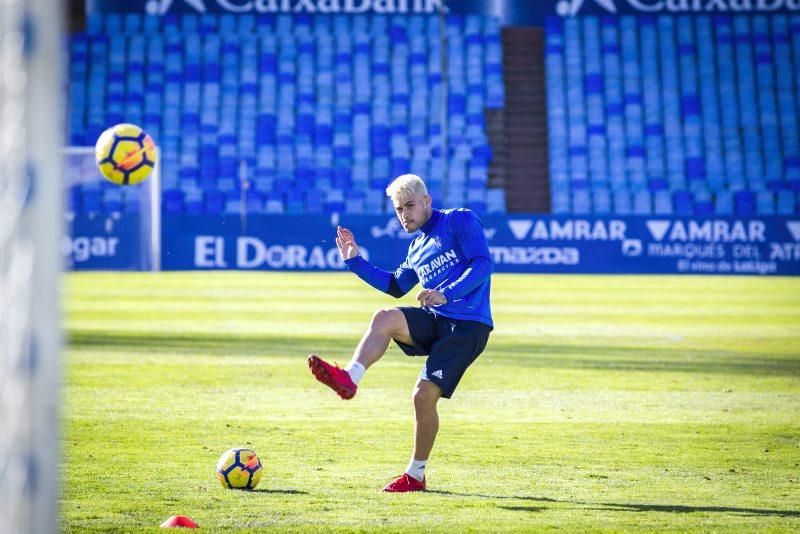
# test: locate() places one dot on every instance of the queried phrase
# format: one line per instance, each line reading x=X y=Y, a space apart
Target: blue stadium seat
x=683 y=203
x=581 y=202
x=193 y=201
x=495 y=200
x=786 y=203
x=662 y=203
x=274 y=206
x=703 y=203
x=112 y=200
x=355 y=203
x=295 y=203
x=601 y=201
x=172 y=201
x=723 y=203
x=702 y=115
x=642 y=202
x=314 y=201
x=622 y=203
x=215 y=90
x=213 y=201
x=744 y=203
x=765 y=203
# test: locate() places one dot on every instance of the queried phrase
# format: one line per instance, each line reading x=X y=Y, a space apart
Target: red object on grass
x=177 y=521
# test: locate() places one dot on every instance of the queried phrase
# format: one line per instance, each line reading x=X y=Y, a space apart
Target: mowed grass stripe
x=601 y=403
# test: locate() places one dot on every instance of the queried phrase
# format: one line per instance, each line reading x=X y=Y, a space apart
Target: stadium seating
x=305 y=114
x=689 y=115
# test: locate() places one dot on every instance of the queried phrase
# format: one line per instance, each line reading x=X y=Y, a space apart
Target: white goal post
x=81 y=172
x=31 y=112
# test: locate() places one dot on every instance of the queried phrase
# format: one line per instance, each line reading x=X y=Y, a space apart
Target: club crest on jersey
x=438 y=241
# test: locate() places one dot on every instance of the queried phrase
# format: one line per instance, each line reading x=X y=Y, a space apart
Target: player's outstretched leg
x=332 y=376
x=385 y=325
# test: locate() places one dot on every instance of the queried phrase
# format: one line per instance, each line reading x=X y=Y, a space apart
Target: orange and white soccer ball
x=125 y=154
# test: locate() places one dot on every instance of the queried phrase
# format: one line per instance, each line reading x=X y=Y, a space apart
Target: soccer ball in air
x=125 y=154
x=239 y=469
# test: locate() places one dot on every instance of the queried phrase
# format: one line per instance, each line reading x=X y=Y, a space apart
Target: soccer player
x=450 y=257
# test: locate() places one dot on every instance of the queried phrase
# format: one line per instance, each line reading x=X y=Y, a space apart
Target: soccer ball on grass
x=125 y=154
x=239 y=469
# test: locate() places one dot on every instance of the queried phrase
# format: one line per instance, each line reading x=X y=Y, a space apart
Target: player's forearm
x=477 y=272
x=377 y=278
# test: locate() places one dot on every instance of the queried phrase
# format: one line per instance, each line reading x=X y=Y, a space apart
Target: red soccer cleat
x=405 y=483
x=177 y=521
x=332 y=376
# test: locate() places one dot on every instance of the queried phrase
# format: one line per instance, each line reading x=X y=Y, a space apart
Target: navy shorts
x=451 y=345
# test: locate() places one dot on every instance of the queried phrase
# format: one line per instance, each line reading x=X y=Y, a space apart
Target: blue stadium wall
x=519 y=243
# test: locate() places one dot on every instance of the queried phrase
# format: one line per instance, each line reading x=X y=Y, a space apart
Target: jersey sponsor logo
x=437 y=265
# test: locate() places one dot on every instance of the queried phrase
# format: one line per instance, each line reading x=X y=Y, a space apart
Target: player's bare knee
x=385 y=321
x=425 y=396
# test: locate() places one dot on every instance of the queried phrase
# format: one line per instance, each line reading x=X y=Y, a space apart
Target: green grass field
x=601 y=403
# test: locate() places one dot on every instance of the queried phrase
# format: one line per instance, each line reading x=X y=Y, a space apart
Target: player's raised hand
x=346 y=243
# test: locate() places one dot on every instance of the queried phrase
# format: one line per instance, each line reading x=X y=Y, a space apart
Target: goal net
x=30 y=228
x=108 y=226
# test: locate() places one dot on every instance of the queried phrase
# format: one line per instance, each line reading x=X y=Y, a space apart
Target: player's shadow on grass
x=205 y=343
x=608 y=357
x=524 y=508
x=649 y=359
x=281 y=491
x=484 y=496
x=680 y=509
x=627 y=507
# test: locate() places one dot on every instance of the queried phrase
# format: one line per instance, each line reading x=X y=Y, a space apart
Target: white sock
x=356 y=371
x=416 y=468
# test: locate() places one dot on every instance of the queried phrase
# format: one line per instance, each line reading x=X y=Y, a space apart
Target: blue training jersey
x=450 y=255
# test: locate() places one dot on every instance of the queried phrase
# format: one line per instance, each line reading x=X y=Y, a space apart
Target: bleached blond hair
x=406 y=184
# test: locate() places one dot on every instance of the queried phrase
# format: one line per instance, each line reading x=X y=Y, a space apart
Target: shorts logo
x=437 y=374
